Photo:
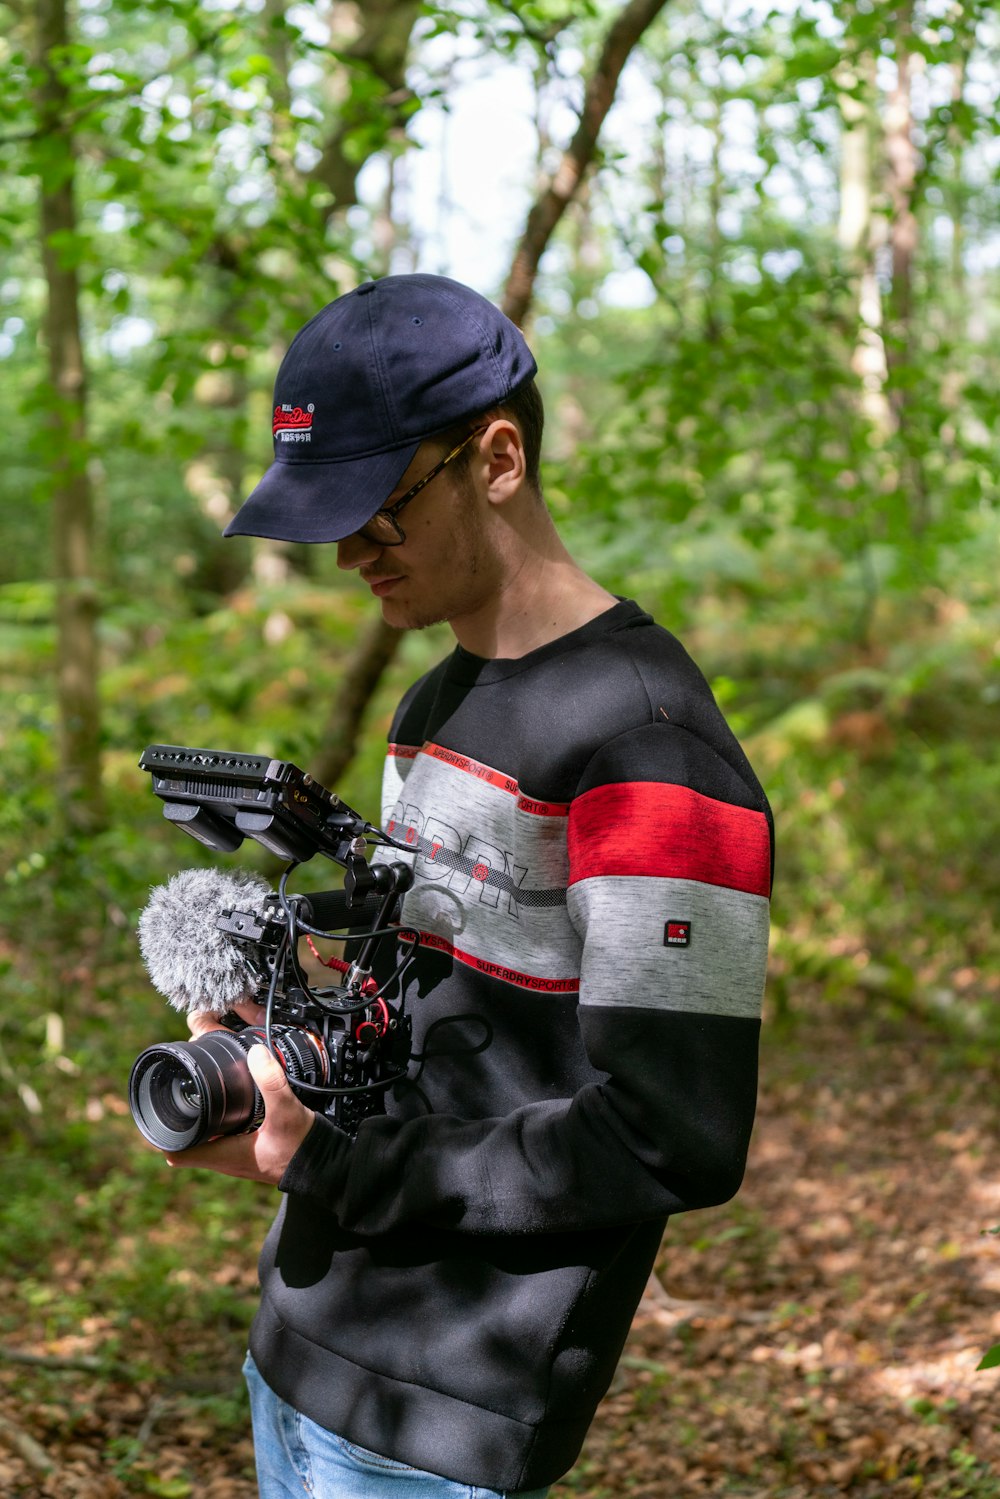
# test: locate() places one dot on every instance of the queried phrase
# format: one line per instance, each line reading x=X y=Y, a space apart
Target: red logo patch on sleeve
x=677 y=934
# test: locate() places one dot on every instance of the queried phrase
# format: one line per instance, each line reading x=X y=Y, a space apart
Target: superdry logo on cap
x=293 y=423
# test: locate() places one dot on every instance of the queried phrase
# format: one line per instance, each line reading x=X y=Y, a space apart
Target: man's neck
x=545 y=595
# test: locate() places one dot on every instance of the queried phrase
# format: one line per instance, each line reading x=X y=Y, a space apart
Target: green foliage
x=711 y=454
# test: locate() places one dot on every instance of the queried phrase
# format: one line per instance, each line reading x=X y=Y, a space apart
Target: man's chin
x=398 y=617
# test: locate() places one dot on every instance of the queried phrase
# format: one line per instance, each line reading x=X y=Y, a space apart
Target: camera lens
x=184 y=1096
x=182 y=1093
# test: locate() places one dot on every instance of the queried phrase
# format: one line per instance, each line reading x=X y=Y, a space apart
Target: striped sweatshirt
x=592 y=860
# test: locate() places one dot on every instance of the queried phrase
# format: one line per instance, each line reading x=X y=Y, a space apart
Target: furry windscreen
x=188 y=959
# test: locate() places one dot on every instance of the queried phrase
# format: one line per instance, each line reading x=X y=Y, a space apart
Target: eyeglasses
x=384 y=529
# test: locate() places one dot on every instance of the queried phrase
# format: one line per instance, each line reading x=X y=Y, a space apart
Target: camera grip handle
x=331 y=911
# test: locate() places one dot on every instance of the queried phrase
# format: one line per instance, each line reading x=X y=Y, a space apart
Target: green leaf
x=167 y=1488
x=990 y=1359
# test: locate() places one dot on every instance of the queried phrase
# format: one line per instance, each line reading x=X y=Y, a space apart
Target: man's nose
x=356 y=551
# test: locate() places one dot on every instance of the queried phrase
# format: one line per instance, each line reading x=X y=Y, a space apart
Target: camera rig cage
x=221 y=797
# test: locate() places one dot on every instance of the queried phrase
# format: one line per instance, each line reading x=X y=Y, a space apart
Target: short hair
x=525 y=408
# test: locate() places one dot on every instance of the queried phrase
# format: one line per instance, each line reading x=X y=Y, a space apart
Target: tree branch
x=83 y=1363
x=552 y=202
x=372 y=654
x=33 y=1453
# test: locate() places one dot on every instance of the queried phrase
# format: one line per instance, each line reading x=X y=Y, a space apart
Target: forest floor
x=817 y=1336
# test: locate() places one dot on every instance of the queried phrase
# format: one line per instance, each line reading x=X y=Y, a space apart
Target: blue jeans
x=295 y=1457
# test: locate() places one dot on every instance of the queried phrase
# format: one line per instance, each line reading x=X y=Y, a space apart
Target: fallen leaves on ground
x=820 y=1334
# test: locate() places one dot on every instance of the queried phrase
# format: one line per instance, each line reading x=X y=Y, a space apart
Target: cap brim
x=316 y=502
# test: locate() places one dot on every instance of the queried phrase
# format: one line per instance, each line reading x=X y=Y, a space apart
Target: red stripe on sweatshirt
x=500 y=970
x=668 y=832
x=484 y=773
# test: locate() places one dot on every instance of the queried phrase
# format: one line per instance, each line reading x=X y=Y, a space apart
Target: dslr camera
x=341 y=1046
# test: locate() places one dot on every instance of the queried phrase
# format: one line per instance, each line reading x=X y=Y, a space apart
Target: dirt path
x=818 y=1336
x=848 y=1293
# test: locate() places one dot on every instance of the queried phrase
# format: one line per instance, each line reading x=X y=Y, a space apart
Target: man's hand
x=264 y=1155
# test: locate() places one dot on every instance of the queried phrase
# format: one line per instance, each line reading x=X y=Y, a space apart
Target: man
x=444 y=1299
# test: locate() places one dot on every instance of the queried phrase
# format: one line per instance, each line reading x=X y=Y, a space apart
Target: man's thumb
x=266 y=1071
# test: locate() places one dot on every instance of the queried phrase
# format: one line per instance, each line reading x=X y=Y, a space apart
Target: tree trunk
x=77 y=662
x=711 y=328
x=857 y=236
x=215 y=478
x=901 y=162
x=276 y=47
x=957 y=191
x=378 y=53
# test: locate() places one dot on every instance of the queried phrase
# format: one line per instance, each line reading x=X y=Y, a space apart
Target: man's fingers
x=201 y=1022
x=264 y=1154
x=233 y=1155
x=252 y=1013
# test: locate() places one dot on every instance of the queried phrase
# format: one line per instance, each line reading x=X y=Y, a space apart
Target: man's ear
x=502 y=449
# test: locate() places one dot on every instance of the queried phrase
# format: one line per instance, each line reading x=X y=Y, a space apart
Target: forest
x=755 y=247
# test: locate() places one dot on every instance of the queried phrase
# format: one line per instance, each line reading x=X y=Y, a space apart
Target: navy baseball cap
x=362 y=385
